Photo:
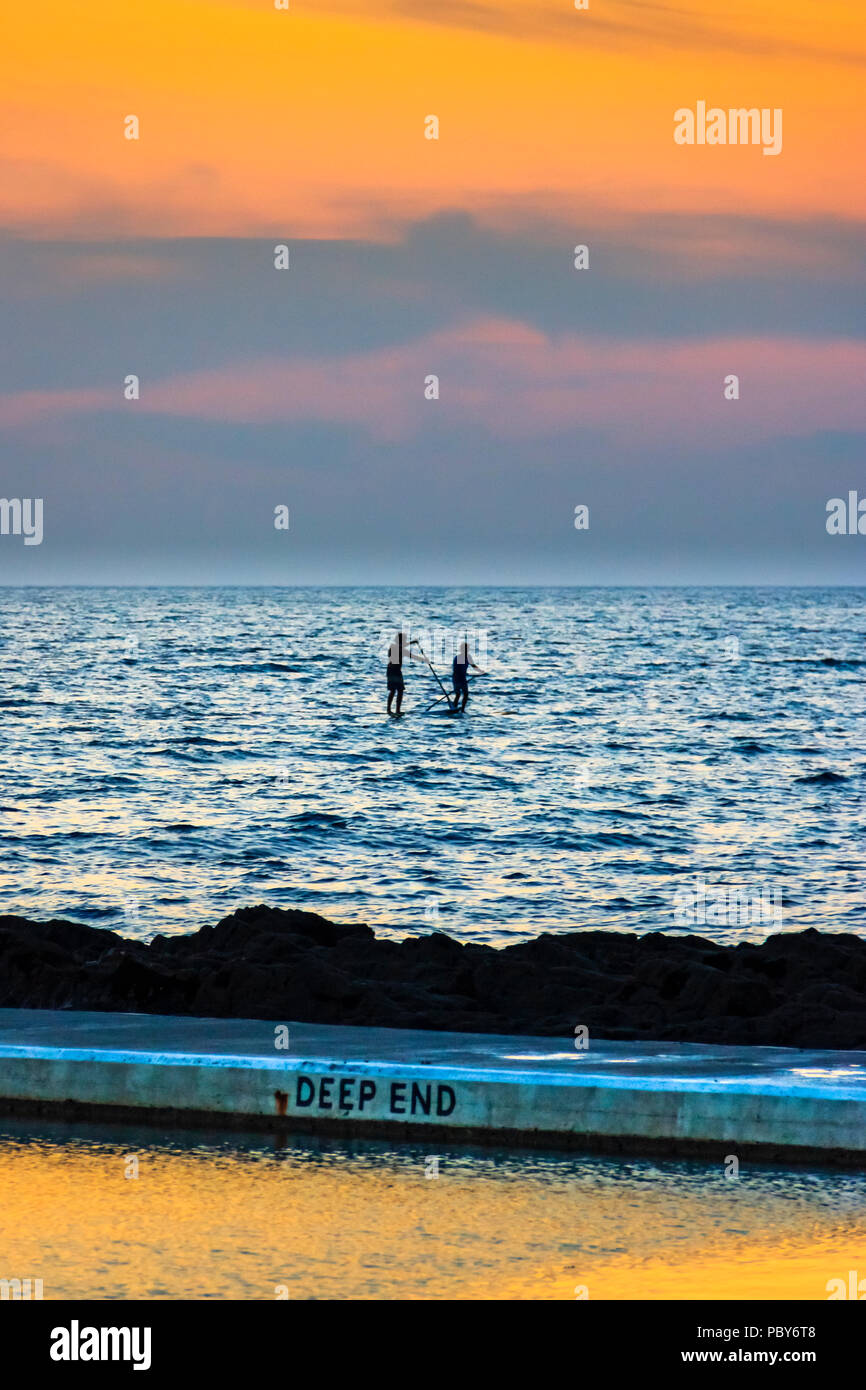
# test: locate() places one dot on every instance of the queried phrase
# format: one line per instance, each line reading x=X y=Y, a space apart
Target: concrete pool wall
x=628 y=1097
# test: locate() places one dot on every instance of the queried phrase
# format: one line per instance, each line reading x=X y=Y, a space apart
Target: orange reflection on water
x=240 y=1218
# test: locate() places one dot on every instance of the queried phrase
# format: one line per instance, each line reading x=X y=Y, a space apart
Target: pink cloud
x=22 y=408
x=515 y=381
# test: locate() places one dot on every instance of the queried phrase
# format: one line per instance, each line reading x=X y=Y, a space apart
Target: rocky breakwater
x=803 y=989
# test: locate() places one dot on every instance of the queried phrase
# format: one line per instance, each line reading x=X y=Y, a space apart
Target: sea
x=632 y=759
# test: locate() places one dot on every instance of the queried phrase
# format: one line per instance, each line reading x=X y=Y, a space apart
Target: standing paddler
x=460 y=674
x=398 y=650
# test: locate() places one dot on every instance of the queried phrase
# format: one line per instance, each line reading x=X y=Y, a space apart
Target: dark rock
x=806 y=989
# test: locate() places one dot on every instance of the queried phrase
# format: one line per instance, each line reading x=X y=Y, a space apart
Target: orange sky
x=311 y=122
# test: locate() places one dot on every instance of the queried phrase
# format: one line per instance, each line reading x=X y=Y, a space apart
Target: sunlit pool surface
x=252 y=1217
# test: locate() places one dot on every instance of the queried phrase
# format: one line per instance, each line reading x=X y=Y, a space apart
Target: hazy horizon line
x=474 y=585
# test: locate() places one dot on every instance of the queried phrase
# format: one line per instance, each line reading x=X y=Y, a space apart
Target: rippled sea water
x=171 y=754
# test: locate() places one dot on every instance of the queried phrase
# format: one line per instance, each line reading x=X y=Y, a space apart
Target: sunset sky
x=412 y=256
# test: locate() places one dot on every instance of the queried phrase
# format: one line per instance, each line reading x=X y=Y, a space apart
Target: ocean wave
x=317 y=820
x=599 y=840
x=822 y=778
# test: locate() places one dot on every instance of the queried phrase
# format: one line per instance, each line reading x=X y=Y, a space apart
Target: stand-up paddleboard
x=437 y=707
x=451 y=697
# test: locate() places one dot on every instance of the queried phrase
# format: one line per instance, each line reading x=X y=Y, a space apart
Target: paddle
x=440 y=698
x=415 y=643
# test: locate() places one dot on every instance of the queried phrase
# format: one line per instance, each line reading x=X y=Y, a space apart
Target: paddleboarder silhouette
x=399 y=649
x=460 y=674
